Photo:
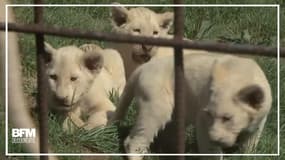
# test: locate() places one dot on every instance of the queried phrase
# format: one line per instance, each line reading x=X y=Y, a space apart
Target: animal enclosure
x=40 y=29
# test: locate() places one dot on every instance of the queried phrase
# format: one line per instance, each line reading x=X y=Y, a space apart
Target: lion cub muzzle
x=147 y=48
x=62 y=103
x=143 y=53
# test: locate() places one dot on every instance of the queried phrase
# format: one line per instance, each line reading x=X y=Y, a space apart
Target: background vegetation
x=233 y=25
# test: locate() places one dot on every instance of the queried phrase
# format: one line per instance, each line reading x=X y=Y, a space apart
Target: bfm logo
x=23 y=132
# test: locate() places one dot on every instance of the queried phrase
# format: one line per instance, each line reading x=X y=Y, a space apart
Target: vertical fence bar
x=42 y=94
x=179 y=97
x=176 y=128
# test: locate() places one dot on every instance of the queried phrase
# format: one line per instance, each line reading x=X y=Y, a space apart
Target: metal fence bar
x=42 y=94
x=179 y=91
x=211 y=46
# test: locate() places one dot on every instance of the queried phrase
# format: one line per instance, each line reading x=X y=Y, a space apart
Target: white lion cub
x=140 y=22
x=81 y=80
x=227 y=99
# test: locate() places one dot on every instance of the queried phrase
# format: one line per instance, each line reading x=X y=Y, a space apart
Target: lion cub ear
x=252 y=95
x=166 y=20
x=119 y=14
x=50 y=51
x=93 y=61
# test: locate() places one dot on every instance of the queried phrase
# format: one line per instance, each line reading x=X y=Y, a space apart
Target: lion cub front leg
x=100 y=117
x=73 y=120
x=97 y=119
x=153 y=116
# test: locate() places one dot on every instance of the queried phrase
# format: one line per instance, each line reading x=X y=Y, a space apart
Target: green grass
x=234 y=25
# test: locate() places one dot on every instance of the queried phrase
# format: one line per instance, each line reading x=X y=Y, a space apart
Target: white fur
x=217 y=87
x=81 y=80
x=140 y=22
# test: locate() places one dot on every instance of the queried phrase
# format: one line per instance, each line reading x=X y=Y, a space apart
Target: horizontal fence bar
x=211 y=46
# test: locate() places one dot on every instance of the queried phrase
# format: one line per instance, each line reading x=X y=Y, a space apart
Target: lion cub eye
x=73 y=78
x=53 y=77
x=155 y=32
x=226 y=118
x=137 y=30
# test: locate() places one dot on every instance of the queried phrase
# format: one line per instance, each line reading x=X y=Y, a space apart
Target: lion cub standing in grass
x=81 y=80
x=227 y=100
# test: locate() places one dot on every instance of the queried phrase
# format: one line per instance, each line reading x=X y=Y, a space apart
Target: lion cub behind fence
x=139 y=21
x=81 y=80
x=227 y=100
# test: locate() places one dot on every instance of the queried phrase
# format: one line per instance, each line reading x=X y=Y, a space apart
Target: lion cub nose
x=147 y=48
x=62 y=100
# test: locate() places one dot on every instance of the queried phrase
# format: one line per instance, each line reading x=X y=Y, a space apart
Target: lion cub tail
x=127 y=96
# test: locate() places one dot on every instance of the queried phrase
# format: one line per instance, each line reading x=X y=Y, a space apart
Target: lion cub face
x=234 y=110
x=71 y=72
x=141 y=22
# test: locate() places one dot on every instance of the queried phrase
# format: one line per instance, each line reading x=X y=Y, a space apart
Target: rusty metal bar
x=179 y=91
x=175 y=128
x=42 y=94
x=211 y=46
